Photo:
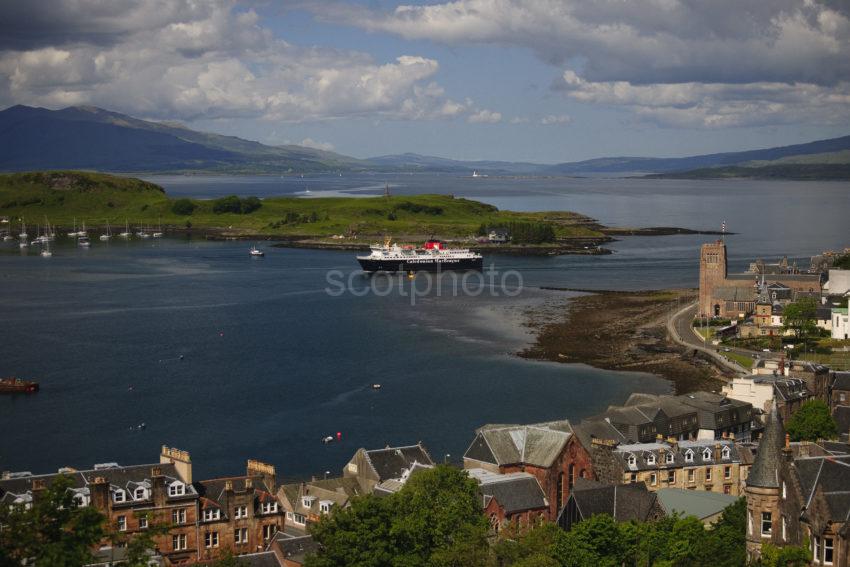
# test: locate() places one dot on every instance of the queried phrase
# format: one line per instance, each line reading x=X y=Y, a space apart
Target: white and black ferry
x=433 y=257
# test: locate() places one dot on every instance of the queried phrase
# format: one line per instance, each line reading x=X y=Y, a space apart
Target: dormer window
x=650 y=459
x=139 y=494
x=118 y=496
x=211 y=514
x=726 y=452
x=307 y=501
x=325 y=506
x=176 y=489
x=632 y=460
x=669 y=458
x=706 y=454
x=689 y=456
x=269 y=507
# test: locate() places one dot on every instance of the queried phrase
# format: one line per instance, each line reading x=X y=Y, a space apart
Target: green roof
x=697 y=503
x=842 y=310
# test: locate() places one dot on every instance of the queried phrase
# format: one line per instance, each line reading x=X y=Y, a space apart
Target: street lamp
x=446 y=458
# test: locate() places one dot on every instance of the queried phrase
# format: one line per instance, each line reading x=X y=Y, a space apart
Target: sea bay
x=271 y=362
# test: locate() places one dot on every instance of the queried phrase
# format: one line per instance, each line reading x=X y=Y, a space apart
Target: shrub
x=235 y=205
x=183 y=207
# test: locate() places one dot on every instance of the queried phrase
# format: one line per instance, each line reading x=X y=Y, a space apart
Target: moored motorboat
x=256 y=252
x=17 y=386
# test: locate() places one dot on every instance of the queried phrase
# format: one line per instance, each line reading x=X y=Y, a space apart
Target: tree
x=811 y=422
x=800 y=317
x=435 y=519
x=183 y=207
x=786 y=556
x=54 y=532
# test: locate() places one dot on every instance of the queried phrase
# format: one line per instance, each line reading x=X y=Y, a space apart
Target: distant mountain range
x=86 y=137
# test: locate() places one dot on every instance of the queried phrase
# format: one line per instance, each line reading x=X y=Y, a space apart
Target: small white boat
x=158 y=234
x=23 y=234
x=83 y=241
x=82 y=233
x=126 y=233
x=376 y=386
x=8 y=237
x=256 y=252
x=108 y=234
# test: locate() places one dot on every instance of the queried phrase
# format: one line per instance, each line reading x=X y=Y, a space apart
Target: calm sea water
x=271 y=362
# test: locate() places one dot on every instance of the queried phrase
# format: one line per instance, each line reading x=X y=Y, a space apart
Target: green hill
x=65 y=197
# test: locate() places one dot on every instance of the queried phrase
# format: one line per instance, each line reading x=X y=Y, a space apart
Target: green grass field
x=742 y=359
x=98 y=199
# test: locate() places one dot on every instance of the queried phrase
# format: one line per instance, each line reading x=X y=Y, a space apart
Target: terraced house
x=694 y=465
x=132 y=498
x=239 y=513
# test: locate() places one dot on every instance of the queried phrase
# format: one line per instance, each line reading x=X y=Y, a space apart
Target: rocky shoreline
x=625 y=331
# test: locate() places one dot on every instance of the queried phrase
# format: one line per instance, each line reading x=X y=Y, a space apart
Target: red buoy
x=338 y=435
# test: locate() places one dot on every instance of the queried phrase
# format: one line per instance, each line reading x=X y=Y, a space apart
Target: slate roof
x=829 y=475
x=764 y=472
x=785 y=389
x=125 y=478
x=841 y=381
x=732 y=293
x=515 y=492
x=588 y=430
x=336 y=490
x=295 y=548
x=712 y=407
x=623 y=502
x=644 y=454
x=699 y=503
x=213 y=489
x=262 y=559
x=394 y=462
x=537 y=444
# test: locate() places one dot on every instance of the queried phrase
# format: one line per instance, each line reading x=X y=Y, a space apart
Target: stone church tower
x=712 y=274
x=764 y=488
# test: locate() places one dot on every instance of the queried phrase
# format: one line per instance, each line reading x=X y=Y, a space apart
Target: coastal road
x=680 y=329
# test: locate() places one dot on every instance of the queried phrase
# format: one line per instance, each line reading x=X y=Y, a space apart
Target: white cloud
x=519 y=120
x=311 y=143
x=555 y=119
x=719 y=105
x=724 y=62
x=485 y=116
x=190 y=60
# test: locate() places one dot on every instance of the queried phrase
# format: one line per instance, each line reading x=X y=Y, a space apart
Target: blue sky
x=544 y=81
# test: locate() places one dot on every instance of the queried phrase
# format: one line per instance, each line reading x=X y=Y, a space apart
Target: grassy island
x=64 y=197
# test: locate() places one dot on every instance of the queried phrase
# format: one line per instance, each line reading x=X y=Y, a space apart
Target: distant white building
x=840 y=323
x=498 y=236
x=838 y=284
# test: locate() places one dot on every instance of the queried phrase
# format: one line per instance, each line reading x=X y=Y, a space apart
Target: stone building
x=798 y=493
x=306 y=502
x=386 y=469
x=726 y=295
x=510 y=499
x=132 y=498
x=550 y=451
x=710 y=465
x=239 y=513
x=762 y=390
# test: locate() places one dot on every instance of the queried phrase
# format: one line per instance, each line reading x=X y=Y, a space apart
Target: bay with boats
x=193 y=337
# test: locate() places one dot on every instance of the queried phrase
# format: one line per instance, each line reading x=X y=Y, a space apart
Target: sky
x=538 y=80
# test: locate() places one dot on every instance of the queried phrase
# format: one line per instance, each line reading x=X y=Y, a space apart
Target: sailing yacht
x=82 y=233
x=126 y=233
x=23 y=234
x=46 y=252
x=158 y=234
x=142 y=233
x=74 y=234
x=108 y=234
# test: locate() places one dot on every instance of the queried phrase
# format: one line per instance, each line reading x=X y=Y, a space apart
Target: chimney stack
x=265 y=470
x=99 y=493
x=180 y=459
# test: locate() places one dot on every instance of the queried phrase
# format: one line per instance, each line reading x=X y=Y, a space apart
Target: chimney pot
x=228 y=485
x=787 y=441
x=249 y=483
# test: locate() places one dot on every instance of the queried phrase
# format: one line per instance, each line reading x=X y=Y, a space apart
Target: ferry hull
x=421 y=264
